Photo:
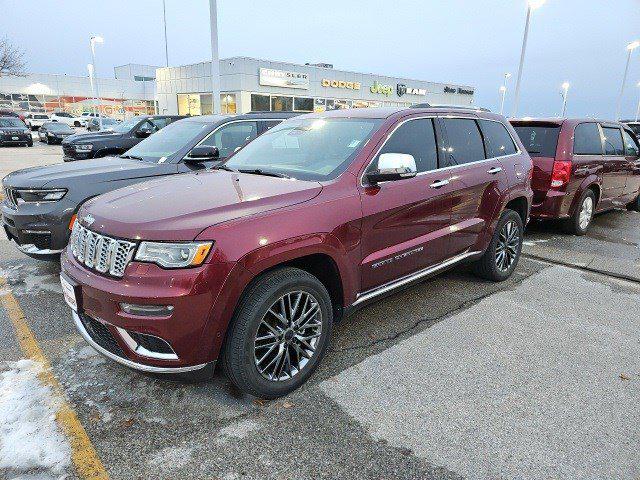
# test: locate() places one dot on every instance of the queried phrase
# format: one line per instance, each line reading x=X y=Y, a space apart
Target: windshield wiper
x=257 y=171
x=133 y=157
x=224 y=167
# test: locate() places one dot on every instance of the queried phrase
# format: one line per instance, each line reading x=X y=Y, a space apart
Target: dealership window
x=281 y=103
x=228 y=103
x=189 y=104
x=260 y=103
x=206 y=108
x=303 y=104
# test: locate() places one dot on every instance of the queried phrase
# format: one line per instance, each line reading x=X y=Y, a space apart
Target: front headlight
x=174 y=255
x=85 y=147
x=51 y=195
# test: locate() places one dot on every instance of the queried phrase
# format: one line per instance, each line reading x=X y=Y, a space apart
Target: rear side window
x=465 y=143
x=586 y=140
x=417 y=138
x=497 y=140
x=630 y=144
x=229 y=137
x=613 y=141
x=538 y=140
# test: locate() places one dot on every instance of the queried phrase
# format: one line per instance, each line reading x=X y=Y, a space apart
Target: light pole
x=503 y=90
x=166 y=45
x=531 y=6
x=92 y=42
x=565 y=92
x=638 y=109
x=93 y=91
x=215 y=59
x=630 y=48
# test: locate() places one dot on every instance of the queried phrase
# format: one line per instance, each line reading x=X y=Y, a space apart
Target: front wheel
x=635 y=205
x=502 y=255
x=278 y=334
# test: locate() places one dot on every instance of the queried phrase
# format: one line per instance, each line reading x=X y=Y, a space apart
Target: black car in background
x=13 y=131
x=54 y=132
x=115 y=141
x=93 y=124
x=40 y=203
x=634 y=126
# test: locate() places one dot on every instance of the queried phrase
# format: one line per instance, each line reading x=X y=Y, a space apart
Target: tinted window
x=167 y=141
x=465 y=142
x=161 y=122
x=229 y=137
x=10 y=122
x=586 y=140
x=635 y=127
x=612 y=141
x=630 y=145
x=497 y=140
x=260 y=103
x=303 y=104
x=538 y=140
x=271 y=123
x=417 y=138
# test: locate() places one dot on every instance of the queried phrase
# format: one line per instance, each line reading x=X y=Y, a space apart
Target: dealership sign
x=340 y=84
x=380 y=88
x=402 y=89
x=283 y=78
x=460 y=90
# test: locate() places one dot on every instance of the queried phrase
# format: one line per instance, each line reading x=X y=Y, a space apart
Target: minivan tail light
x=561 y=173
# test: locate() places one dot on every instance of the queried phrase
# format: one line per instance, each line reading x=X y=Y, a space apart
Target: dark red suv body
x=329 y=206
x=578 y=158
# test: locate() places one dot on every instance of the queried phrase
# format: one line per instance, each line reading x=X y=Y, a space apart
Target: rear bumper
x=553 y=204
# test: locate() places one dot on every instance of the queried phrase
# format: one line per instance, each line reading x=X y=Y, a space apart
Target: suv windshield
x=308 y=149
x=540 y=140
x=10 y=123
x=166 y=141
x=126 y=125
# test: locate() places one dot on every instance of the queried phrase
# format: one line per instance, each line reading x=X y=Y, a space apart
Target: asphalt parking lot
x=537 y=377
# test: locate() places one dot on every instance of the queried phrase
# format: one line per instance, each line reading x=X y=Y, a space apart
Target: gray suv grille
x=99 y=252
x=10 y=195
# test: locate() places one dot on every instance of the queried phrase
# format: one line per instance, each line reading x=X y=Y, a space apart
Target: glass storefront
x=279 y=103
x=200 y=104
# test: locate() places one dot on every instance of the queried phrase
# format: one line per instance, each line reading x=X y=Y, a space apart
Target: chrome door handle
x=494 y=170
x=439 y=183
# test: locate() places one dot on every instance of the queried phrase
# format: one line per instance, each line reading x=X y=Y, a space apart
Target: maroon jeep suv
x=581 y=167
x=253 y=261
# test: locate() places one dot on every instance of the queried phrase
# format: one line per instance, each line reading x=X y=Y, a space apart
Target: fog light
x=147 y=310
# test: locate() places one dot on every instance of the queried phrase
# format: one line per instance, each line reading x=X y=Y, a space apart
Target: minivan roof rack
x=441 y=105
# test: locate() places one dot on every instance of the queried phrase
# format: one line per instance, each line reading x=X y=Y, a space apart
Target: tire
x=239 y=357
x=579 y=224
x=47 y=141
x=635 y=205
x=76 y=124
x=30 y=144
x=498 y=269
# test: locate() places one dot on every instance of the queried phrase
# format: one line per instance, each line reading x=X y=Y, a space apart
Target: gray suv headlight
x=44 y=195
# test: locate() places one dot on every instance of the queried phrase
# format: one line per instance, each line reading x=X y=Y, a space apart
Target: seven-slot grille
x=99 y=252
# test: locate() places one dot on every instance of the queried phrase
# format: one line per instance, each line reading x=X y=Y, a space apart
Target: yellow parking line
x=84 y=456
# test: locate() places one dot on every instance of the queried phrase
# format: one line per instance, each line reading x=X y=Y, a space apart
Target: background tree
x=11 y=60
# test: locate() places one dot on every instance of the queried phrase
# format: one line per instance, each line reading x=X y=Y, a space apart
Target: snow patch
x=238 y=430
x=171 y=458
x=29 y=436
x=28 y=279
x=531 y=243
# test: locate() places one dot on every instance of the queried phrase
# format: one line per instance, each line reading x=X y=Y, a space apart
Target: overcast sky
x=460 y=41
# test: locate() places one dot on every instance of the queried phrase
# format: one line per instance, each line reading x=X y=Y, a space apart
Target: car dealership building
x=249 y=84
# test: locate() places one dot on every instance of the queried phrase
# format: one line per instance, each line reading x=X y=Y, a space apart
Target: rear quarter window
x=586 y=139
x=539 y=140
x=497 y=140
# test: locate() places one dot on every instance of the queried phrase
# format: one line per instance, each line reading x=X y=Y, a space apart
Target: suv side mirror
x=393 y=166
x=202 y=153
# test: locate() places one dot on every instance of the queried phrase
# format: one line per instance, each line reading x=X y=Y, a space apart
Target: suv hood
x=180 y=207
x=92 y=137
x=67 y=175
x=14 y=129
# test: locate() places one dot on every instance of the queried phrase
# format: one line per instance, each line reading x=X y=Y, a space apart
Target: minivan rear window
x=540 y=140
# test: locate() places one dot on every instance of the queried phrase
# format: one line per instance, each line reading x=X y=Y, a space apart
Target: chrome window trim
x=435 y=116
x=244 y=120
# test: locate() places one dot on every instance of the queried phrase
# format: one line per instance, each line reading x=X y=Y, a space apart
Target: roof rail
x=461 y=107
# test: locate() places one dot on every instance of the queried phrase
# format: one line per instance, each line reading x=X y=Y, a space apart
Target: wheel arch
x=588 y=184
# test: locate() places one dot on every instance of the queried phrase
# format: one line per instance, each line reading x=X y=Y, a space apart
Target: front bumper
x=186 y=336
x=38 y=229
x=15 y=139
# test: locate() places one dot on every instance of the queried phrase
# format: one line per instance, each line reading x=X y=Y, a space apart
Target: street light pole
x=630 y=48
x=531 y=5
x=215 y=58
x=503 y=90
x=638 y=109
x=565 y=92
x=92 y=42
x=93 y=90
x=166 y=45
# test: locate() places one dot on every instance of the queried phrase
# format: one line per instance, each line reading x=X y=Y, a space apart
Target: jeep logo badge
x=88 y=220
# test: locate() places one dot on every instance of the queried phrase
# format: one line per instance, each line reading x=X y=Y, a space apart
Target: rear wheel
x=579 y=223
x=278 y=334
x=635 y=205
x=502 y=255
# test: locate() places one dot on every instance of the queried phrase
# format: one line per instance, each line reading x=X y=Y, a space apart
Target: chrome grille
x=10 y=195
x=99 y=252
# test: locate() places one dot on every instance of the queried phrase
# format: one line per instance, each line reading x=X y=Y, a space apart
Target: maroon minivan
x=252 y=262
x=581 y=167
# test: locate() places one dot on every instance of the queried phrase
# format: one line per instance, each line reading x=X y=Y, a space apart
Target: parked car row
x=241 y=240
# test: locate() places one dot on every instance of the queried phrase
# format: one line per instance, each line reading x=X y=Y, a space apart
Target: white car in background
x=67 y=118
x=35 y=120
